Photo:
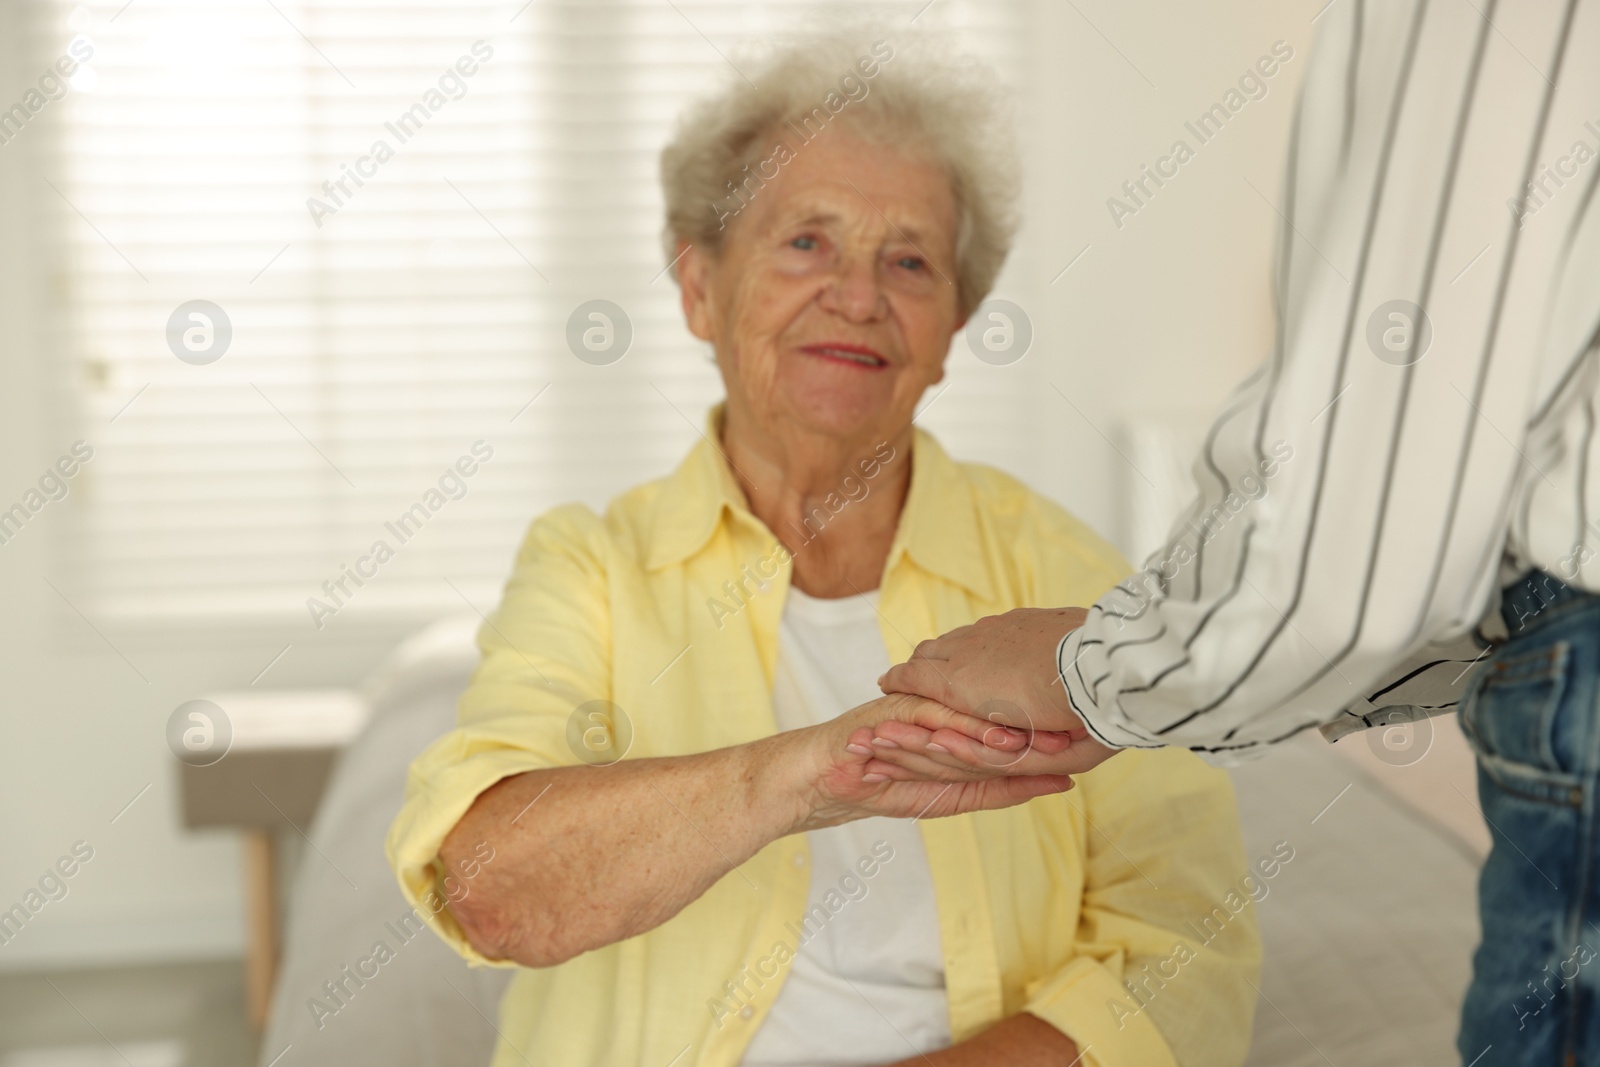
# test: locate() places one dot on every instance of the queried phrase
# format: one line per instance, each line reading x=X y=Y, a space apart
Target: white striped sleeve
x=1353 y=498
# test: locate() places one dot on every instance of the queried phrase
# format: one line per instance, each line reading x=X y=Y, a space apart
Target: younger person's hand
x=1001 y=668
x=954 y=747
x=828 y=768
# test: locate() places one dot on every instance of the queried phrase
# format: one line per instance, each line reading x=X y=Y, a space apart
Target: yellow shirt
x=1047 y=907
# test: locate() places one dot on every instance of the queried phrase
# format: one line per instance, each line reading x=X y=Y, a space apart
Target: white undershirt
x=867 y=982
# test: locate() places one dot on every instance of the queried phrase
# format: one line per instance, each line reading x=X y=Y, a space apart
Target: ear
x=694 y=288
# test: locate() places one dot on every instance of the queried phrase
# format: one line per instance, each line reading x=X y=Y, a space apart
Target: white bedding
x=1344 y=982
x=425 y=1006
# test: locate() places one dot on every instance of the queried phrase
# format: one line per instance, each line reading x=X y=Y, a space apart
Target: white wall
x=1172 y=309
x=1165 y=312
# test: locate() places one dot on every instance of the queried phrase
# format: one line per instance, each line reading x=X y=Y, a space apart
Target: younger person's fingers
x=924 y=767
x=1078 y=759
x=1044 y=741
x=904 y=734
x=1072 y=759
x=985 y=732
x=994 y=735
x=920 y=677
x=975 y=754
x=916 y=740
x=947 y=747
x=940 y=647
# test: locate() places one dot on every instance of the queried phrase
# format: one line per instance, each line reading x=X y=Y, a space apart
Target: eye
x=910 y=262
x=805 y=243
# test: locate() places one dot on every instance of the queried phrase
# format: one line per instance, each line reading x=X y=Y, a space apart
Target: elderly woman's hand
x=658 y=832
x=939 y=745
x=842 y=777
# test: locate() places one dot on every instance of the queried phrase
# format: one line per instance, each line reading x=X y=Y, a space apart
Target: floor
x=1430 y=766
x=171 y=1015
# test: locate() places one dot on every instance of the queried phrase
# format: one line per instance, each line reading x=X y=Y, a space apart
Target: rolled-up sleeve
x=1167 y=949
x=545 y=651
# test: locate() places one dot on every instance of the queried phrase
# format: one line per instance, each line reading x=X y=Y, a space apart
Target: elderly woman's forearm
x=587 y=856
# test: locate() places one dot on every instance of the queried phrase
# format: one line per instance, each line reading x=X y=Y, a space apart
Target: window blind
x=396 y=316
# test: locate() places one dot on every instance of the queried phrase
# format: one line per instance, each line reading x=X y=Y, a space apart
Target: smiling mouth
x=854 y=355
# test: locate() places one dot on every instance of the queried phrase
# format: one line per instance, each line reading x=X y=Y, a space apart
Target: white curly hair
x=909 y=90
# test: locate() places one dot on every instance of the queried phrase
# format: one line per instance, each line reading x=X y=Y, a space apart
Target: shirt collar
x=694 y=498
x=939 y=527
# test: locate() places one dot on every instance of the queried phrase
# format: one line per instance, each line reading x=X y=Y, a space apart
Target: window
x=396 y=208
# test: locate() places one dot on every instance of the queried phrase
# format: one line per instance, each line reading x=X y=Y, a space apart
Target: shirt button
x=746 y=1011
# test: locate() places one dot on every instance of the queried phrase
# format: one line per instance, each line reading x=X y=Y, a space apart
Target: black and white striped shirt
x=1424 y=426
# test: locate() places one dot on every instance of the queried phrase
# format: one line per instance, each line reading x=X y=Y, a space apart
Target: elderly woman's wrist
x=784 y=782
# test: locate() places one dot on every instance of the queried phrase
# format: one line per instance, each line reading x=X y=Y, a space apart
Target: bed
x=1369 y=928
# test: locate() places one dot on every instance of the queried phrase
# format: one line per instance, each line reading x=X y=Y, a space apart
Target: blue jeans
x=1530 y=715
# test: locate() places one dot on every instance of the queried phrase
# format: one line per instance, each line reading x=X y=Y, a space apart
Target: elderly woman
x=743 y=887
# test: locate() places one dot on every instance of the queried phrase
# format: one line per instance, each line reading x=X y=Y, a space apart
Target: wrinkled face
x=832 y=302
